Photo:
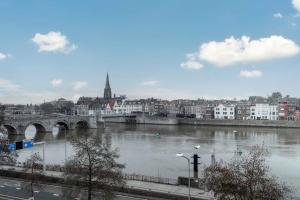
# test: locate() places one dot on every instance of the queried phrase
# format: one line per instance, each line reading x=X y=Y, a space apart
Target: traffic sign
x=27 y=144
x=11 y=147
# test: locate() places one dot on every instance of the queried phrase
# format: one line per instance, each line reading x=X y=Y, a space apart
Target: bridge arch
x=11 y=130
x=62 y=124
x=39 y=127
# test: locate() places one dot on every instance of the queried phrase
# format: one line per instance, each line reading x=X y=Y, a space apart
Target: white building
x=264 y=112
x=224 y=112
x=124 y=107
x=133 y=106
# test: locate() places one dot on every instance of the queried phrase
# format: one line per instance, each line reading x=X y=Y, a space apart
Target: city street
x=13 y=189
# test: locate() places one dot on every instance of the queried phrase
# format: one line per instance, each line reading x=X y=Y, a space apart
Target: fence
x=138 y=177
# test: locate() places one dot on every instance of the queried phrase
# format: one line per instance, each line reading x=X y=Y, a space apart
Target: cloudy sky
x=166 y=49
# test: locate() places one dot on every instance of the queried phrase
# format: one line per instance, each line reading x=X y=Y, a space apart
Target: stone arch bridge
x=17 y=124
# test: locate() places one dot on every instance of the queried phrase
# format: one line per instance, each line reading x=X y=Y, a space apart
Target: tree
x=245 y=178
x=47 y=108
x=93 y=162
x=6 y=156
x=34 y=169
x=66 y=108
x=2 y=108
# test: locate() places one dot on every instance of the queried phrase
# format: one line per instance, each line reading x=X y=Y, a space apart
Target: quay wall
x=156 y=120
x=118 y=119
x=142 y=120
x=201 y=122
x=245 y=123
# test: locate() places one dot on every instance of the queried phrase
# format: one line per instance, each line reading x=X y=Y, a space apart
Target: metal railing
x=152 y=179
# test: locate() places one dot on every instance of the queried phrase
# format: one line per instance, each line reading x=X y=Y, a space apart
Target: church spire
x=107 y=89
x=107 y=85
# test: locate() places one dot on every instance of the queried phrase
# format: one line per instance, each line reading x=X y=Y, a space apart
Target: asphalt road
x=15 y=189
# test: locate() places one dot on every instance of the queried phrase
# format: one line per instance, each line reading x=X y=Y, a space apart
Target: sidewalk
x=177 y=190
x=169 y=189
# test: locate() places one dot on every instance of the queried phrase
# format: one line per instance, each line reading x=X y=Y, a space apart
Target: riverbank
x=201 y=122
x=167 y=191
x=241 y=123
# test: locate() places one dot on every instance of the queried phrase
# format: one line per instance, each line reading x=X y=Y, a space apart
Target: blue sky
x=166 y=49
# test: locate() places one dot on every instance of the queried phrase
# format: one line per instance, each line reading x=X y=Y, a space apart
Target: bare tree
x=34 y=169
x=245 y=178
x=2 y=108
x=6 y=156
x=47 y=108
x=94 y=162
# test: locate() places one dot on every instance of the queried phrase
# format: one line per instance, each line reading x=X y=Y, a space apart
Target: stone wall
x=246 y=123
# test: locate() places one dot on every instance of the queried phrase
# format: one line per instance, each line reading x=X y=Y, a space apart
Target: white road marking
x=11 y=197
x=4 y=198
x=129 y=197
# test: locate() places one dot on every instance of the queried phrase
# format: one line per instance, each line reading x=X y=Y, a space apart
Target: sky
x=169 y=49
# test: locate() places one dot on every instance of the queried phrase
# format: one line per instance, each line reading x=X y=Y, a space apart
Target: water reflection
x=151 y=149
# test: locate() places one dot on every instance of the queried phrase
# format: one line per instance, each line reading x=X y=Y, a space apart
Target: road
x=15 y=189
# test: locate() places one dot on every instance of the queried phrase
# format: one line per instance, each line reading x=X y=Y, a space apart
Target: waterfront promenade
x=132 y=187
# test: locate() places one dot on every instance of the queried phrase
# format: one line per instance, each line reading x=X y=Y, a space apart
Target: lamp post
x=189 y=163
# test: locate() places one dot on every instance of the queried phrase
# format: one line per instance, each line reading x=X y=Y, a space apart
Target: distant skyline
x=169 y=49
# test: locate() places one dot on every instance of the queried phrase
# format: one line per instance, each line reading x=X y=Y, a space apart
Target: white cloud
x=53 y=42
x=8 y=86
x=293 y=24
x=192 y=63
x=4 y=56
x=278 y=15
x=233 y=51
x=250 y=74
x=296 y=4
x=56 y=82
x=79 y=85
x=149 y=83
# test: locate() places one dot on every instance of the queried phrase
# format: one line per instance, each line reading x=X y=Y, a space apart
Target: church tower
x=107 y=89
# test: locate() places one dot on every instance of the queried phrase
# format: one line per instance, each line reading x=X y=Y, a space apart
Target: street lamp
x=189 y=163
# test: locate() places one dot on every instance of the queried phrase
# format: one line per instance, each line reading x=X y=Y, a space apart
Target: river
x=151 y=149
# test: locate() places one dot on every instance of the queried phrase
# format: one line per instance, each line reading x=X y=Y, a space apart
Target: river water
x=151 y=149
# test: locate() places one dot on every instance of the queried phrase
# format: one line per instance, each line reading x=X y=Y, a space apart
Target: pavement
x=14 y=189
x=169 y=189
x=140 y=185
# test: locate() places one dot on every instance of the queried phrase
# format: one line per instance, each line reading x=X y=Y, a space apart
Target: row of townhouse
x=127 y=107
x=201 y=109
x=260 y=111
x=134 y=106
